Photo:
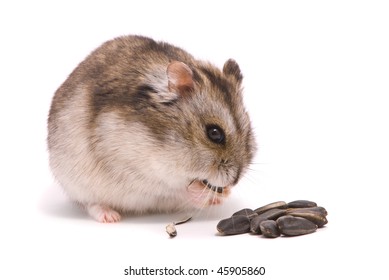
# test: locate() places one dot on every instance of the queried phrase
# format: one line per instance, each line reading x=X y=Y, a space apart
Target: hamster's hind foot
x=102 y=214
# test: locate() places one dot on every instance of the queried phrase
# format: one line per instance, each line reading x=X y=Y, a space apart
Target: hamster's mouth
x=202 y=193
x=212 y=187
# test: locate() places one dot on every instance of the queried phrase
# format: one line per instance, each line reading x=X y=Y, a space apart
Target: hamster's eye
x=215 y=134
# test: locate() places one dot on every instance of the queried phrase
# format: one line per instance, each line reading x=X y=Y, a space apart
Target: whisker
x=258 y=162
x=249 y=177
x=197 y=211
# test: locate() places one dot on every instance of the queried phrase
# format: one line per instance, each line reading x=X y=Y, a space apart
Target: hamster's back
x=118 y=66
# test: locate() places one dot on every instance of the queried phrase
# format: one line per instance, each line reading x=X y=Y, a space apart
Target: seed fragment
x=278 y=205
x=270 y=229
x=301 y=204
x=293 y=226
x=234 y=225
x=171 y=230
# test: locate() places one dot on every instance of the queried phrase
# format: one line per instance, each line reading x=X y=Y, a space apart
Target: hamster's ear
x=231 y=68
x=180 y=78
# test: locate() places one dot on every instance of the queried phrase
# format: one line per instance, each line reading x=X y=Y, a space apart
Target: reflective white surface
x=316 y=86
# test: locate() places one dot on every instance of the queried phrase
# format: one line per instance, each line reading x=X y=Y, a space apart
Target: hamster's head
x=205 y=127
x=196 y=136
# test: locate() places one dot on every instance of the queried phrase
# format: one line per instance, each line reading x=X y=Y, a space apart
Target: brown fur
x=136 y=97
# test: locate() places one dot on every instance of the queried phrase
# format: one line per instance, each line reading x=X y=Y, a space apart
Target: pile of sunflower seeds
x=278 y=218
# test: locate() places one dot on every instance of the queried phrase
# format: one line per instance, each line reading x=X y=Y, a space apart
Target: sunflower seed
x=316 y=218
x=273 y=214
x=274 y=205
x=301 y=204
x=234 y=225
x=319 y=210
x=246 y=212
x=270 y=229
x=292 y=226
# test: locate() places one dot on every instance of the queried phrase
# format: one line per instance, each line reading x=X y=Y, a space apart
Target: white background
x=316 y=86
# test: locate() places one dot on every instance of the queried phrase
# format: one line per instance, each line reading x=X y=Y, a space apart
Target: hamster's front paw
x=103 y=214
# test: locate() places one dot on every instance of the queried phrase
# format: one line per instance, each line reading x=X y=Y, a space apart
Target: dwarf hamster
x=142 y=126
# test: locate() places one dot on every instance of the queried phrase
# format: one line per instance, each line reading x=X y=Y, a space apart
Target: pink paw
x=103 y=214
